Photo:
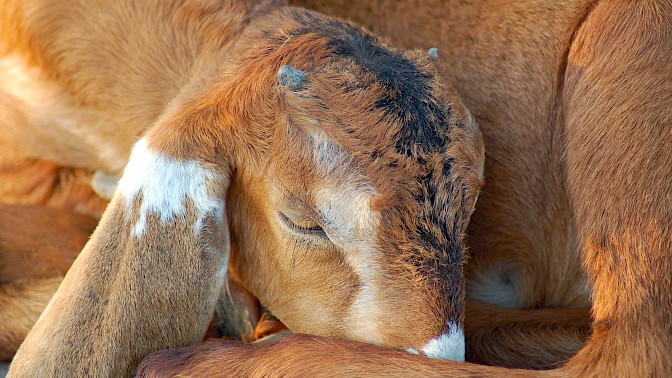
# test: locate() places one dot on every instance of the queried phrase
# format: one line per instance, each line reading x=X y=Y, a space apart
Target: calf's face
x=349 y=220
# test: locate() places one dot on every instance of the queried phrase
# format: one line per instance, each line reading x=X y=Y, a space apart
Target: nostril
x=449 y=345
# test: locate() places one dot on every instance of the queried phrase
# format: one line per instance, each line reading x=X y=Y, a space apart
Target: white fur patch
x=450 y=345
x=344 y=202
x=328 y=156
x=165 y=185
x=353 y=227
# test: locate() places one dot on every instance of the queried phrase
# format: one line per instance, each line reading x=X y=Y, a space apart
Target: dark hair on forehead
x=407 y=98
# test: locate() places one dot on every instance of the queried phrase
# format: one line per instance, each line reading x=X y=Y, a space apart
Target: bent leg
x=524 y=339
x=619 y=153
x=151 y=273
x=299 y=355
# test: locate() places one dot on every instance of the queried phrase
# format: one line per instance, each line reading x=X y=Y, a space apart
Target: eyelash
x=312 y=231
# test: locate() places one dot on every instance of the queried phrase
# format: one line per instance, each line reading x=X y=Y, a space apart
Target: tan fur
x=44 y=183
x=555 y=126
x=524 y=338
x=299 y=355
x=38 y=243
x=37 y=246
x=198 y=80
x=22 y=303
x=573 y=99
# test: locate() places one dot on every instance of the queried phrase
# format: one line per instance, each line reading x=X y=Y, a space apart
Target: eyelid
x=297 y=203
x=313 y=231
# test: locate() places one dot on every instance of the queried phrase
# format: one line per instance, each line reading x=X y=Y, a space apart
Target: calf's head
x=355 y=169
x=336 y=175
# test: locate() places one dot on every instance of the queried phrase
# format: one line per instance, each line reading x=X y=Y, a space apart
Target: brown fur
x=517 y=80
x=37 y=246
x=237 y=313
x=44 y=183
x=298 y=355
x=38 y=243
x=549 y=331
x=46 y=248
x=268 y=325
x=533 y=339
x=573 y=99
x=22 y=303
x=199 y=81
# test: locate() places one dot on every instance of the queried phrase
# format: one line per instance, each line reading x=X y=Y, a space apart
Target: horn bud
x=433 y=53
x=291 y=78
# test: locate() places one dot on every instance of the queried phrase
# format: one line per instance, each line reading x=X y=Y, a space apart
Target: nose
x=448 y=345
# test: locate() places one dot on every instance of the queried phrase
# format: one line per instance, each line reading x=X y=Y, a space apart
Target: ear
x=150 y=275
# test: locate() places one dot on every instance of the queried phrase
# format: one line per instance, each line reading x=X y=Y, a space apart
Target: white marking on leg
x=450 y=345
x=165 y=185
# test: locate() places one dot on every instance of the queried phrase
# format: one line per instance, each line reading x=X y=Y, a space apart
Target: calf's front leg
x=151 y=273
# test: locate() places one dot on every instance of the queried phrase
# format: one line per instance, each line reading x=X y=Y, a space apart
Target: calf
x=573 y=99
x=340 y=171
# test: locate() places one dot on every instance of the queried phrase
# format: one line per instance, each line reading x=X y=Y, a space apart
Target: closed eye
x=304 y=228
